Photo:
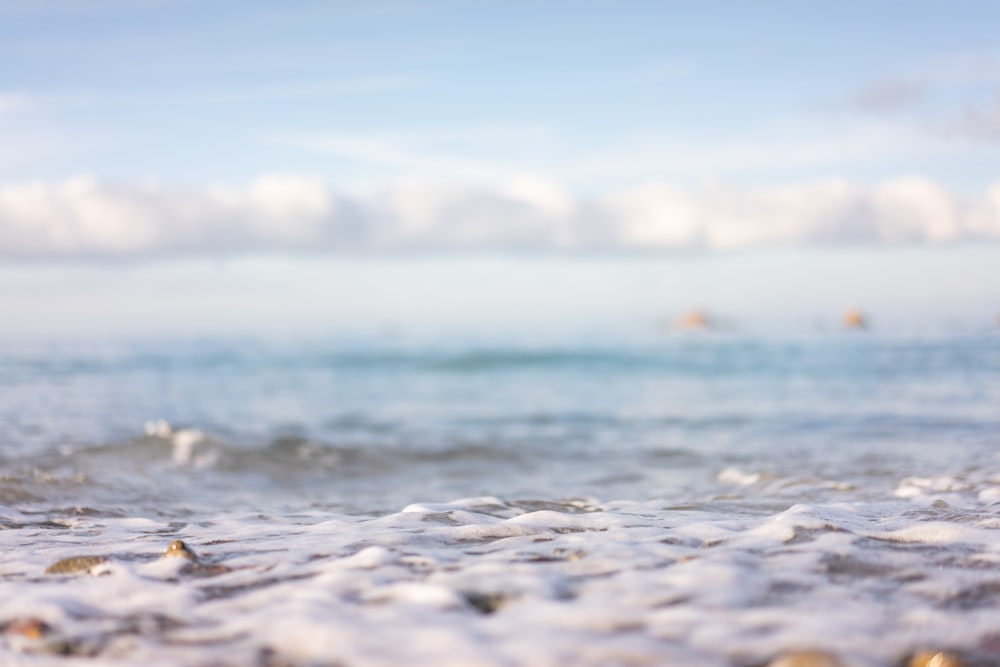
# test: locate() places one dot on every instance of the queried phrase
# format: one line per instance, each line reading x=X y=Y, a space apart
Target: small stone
x=30 y=628
x=179 y=549
x=485 y=603
x=807 y=659
x=34 y=636
x=935 y=659
x=75 y=564
x=195 y=568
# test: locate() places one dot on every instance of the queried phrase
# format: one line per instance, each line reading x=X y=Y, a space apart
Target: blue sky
x=554 y=163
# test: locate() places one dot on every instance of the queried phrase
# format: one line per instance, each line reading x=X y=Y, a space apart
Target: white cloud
x=84 y=218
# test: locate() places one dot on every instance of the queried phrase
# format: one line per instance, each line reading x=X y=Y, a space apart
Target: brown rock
x=935 y=659
x=31 y=628
x=178 y=549
x=855 y=319
x=75 y=564
x=695 y=320
x=806 y=659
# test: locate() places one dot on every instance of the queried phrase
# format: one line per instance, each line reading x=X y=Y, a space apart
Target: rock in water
x=79 y=564
x=935 y=659
x=75 y=564
x=178 y=549
x=855 y=319
x=29 y=628
x=806 y=659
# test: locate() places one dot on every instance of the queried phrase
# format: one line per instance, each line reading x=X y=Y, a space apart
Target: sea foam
x=482 y=581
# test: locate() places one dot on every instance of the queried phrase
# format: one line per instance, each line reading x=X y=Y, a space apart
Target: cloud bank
x=83 y=218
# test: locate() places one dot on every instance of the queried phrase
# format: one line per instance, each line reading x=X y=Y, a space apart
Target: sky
x=467 y=167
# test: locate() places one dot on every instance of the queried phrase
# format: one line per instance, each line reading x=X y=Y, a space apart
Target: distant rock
x=855 y=320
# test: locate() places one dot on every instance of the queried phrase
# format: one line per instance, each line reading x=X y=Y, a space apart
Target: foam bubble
x=493 y=582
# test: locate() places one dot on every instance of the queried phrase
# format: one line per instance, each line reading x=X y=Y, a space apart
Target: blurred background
x=529 y=169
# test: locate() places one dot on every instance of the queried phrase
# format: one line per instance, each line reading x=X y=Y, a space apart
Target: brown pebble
x=75 y=564
x=179 y=549
x=935 y=659
x=806 y=659
x=32 y=628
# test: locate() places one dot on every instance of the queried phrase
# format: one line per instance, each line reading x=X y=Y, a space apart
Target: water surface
x=715 y=500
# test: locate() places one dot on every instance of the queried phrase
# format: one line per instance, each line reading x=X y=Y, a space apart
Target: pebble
x=30 y=628
x=195 y=568
x=807 y=659
x=32 y=635
x=178 y=549
x=75 y=564
x=935 y=659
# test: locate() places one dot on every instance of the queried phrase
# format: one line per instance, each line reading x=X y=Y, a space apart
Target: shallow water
x=707 y=500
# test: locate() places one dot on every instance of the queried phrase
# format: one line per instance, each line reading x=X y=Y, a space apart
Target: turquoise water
x=375 y=426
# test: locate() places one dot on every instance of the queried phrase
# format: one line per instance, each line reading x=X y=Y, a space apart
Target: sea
x=712 y=499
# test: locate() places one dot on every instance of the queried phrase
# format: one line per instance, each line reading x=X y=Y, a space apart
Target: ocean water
x=705 y=500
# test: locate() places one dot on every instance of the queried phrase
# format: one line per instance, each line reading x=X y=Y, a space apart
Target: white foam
x=184 y=441
x=737 y=477
x=625 y=583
